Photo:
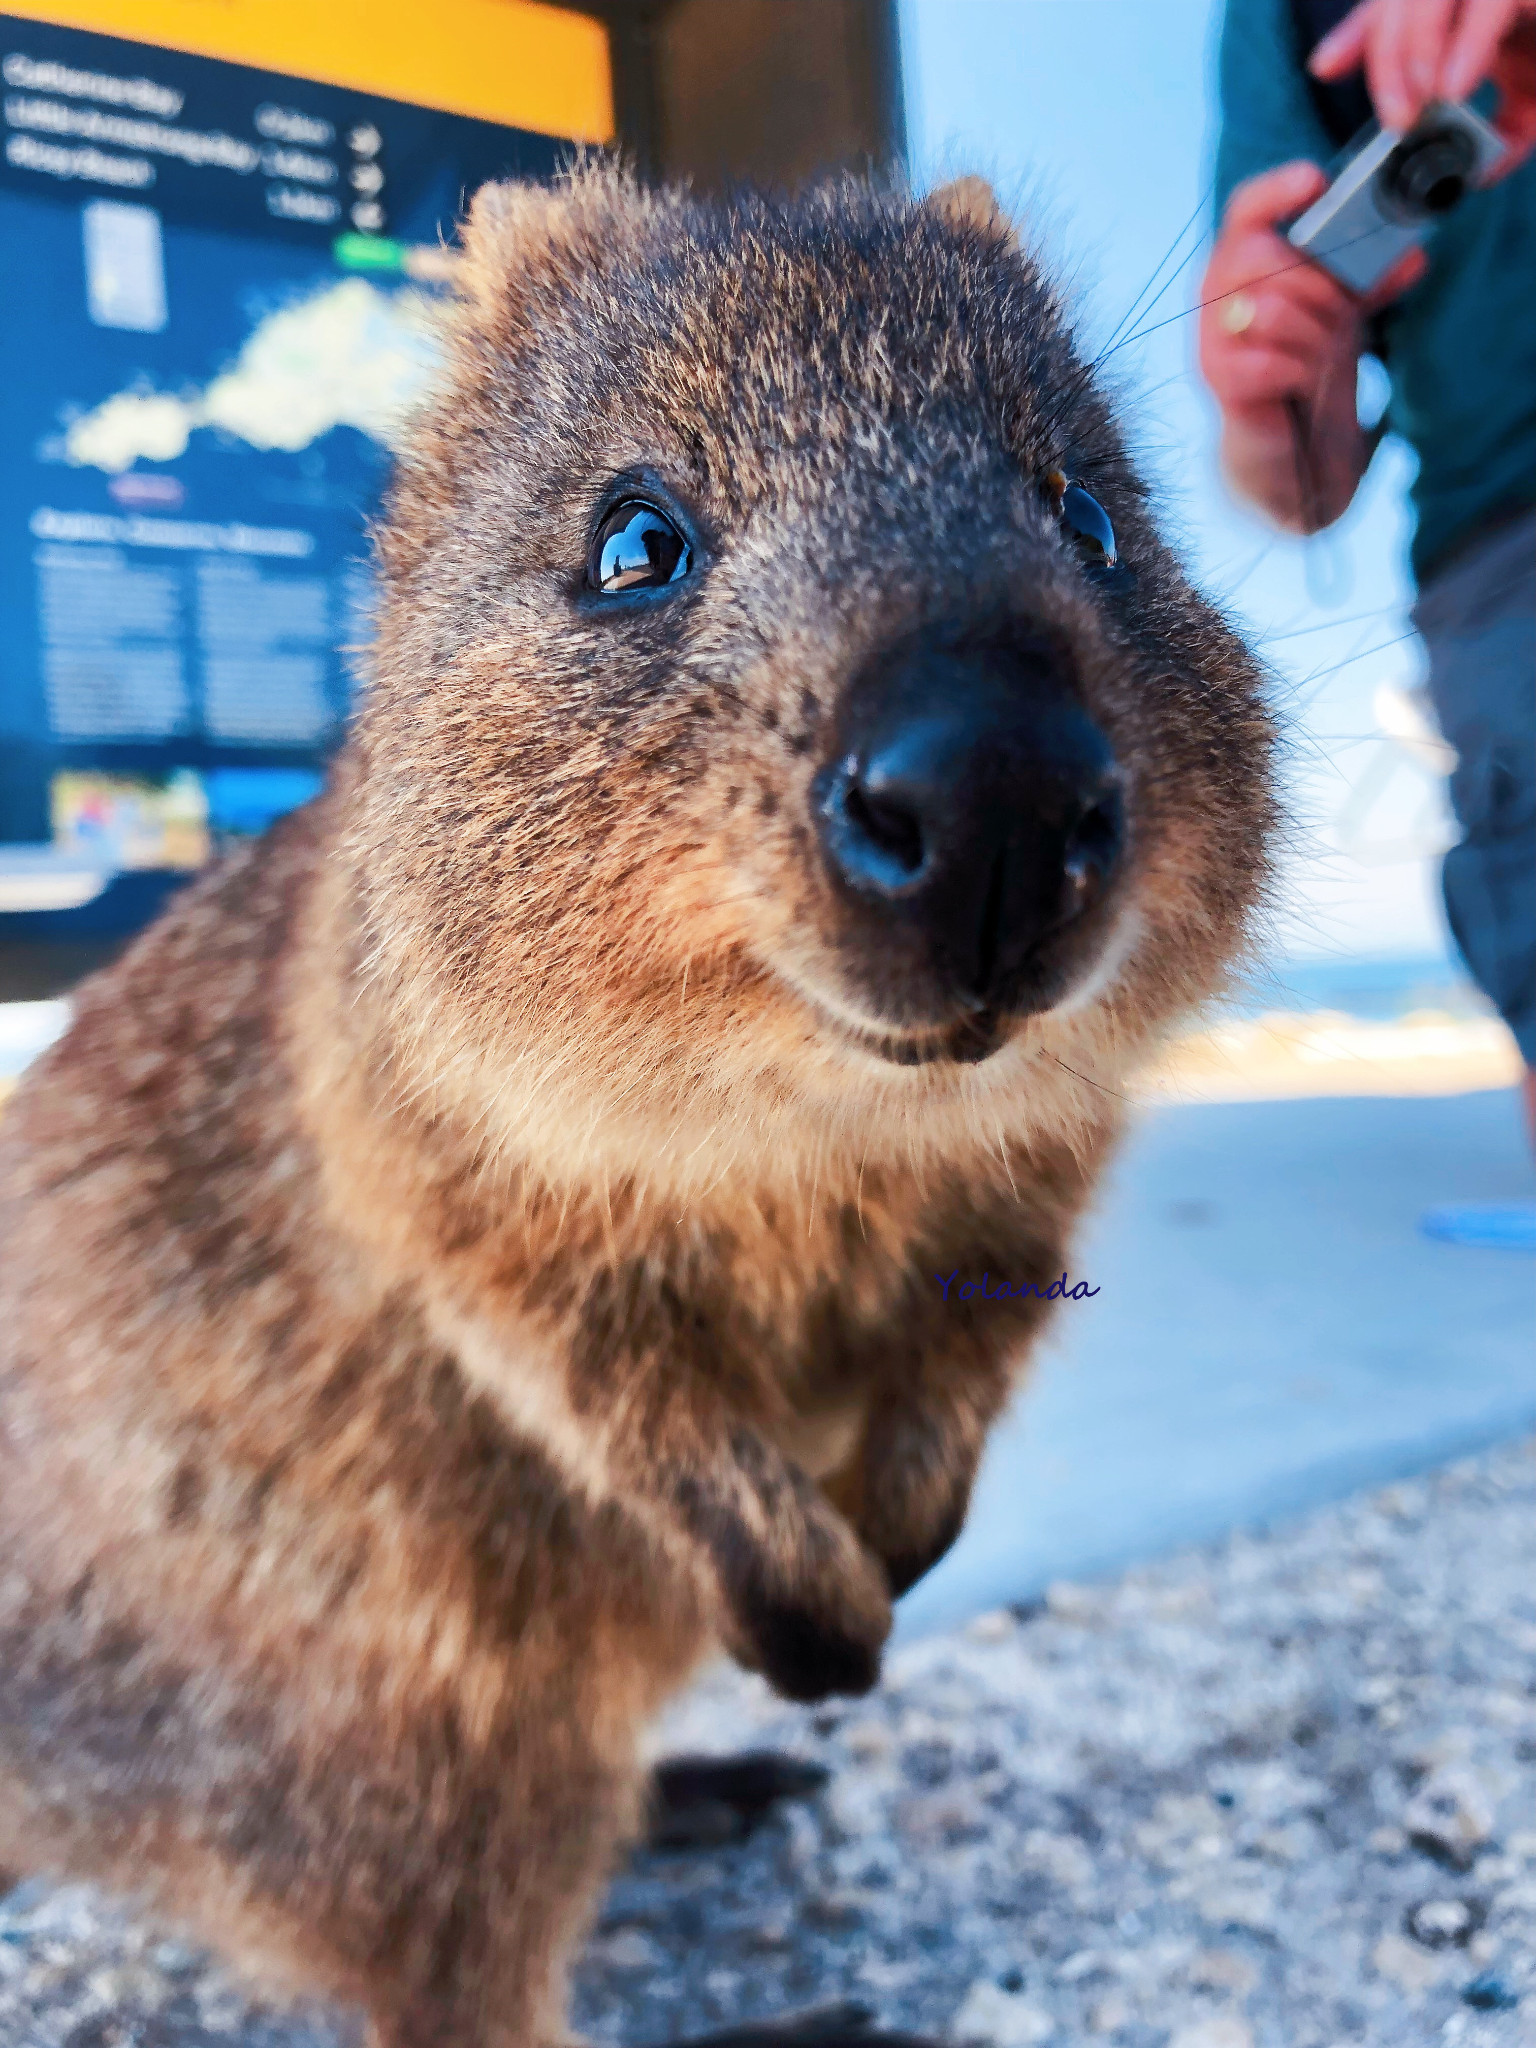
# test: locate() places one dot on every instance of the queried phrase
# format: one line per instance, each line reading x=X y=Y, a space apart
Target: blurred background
x=229 y=230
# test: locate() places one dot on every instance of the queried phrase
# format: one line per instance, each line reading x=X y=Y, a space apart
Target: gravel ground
x=1275 y=1794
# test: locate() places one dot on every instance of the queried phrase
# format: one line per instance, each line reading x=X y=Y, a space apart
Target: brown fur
x=476 y=1252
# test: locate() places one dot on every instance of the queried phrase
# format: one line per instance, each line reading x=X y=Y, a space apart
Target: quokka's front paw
x=914 y=1561
x=813 y=1625
x=917 y=1488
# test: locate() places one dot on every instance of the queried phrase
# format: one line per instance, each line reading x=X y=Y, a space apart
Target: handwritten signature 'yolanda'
x=1058 y=1290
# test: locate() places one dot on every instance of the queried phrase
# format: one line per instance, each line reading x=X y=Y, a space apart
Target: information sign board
x=215 y=328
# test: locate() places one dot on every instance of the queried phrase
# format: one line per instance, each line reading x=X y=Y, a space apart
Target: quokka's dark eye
x=637 y=548
x=1086 y=523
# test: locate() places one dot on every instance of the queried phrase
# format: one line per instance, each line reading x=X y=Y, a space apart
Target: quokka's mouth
x=965 y=1043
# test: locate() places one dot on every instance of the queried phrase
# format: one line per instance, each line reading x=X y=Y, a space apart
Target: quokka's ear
x=971 y=203
x=511 y=227
x=518 y=229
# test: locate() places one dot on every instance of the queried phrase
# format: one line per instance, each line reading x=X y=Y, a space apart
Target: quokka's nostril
x=888 y=825
x=1093 y=845
x=1089 y=856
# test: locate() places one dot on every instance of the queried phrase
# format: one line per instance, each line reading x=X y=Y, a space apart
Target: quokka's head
x=787 y=717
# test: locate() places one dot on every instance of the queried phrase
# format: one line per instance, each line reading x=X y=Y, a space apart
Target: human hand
x=1281 y=337
x=1273 y=327
x=1415 y=51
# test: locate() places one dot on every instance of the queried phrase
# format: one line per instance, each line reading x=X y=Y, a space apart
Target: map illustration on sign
x=349 y=355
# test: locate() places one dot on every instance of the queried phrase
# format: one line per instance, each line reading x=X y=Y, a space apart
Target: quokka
x=474 y=1257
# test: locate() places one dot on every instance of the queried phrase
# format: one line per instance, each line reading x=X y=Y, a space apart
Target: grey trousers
x=1478 y=621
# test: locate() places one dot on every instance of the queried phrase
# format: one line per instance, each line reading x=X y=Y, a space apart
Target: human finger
x=1386 y=64
x=1469 y=56
x=1514 y=73
x=1290 y=356
x=1260 y=377
x=1271 y=320
x=1314 y=330
x=1332 y=315
x=1264 y=261
x=1424 y=37
x=1516 y=125
x=1343 y=48
x=1272 y=196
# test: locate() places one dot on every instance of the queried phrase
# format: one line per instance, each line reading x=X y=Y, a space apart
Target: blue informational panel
x=208 y=348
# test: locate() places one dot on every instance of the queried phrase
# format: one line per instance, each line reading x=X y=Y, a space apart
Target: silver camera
x=1391 y=188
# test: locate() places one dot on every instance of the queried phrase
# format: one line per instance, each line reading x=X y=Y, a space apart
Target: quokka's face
x=781 y=677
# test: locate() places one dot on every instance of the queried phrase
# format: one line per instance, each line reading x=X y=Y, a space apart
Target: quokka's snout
x=972 y=817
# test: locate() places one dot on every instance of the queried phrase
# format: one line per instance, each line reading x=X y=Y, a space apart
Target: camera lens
x=1427 y=174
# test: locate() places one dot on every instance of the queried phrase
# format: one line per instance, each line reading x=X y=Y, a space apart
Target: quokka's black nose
x=972 y=807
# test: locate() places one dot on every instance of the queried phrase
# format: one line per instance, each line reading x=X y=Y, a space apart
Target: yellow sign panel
x=511 y=61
